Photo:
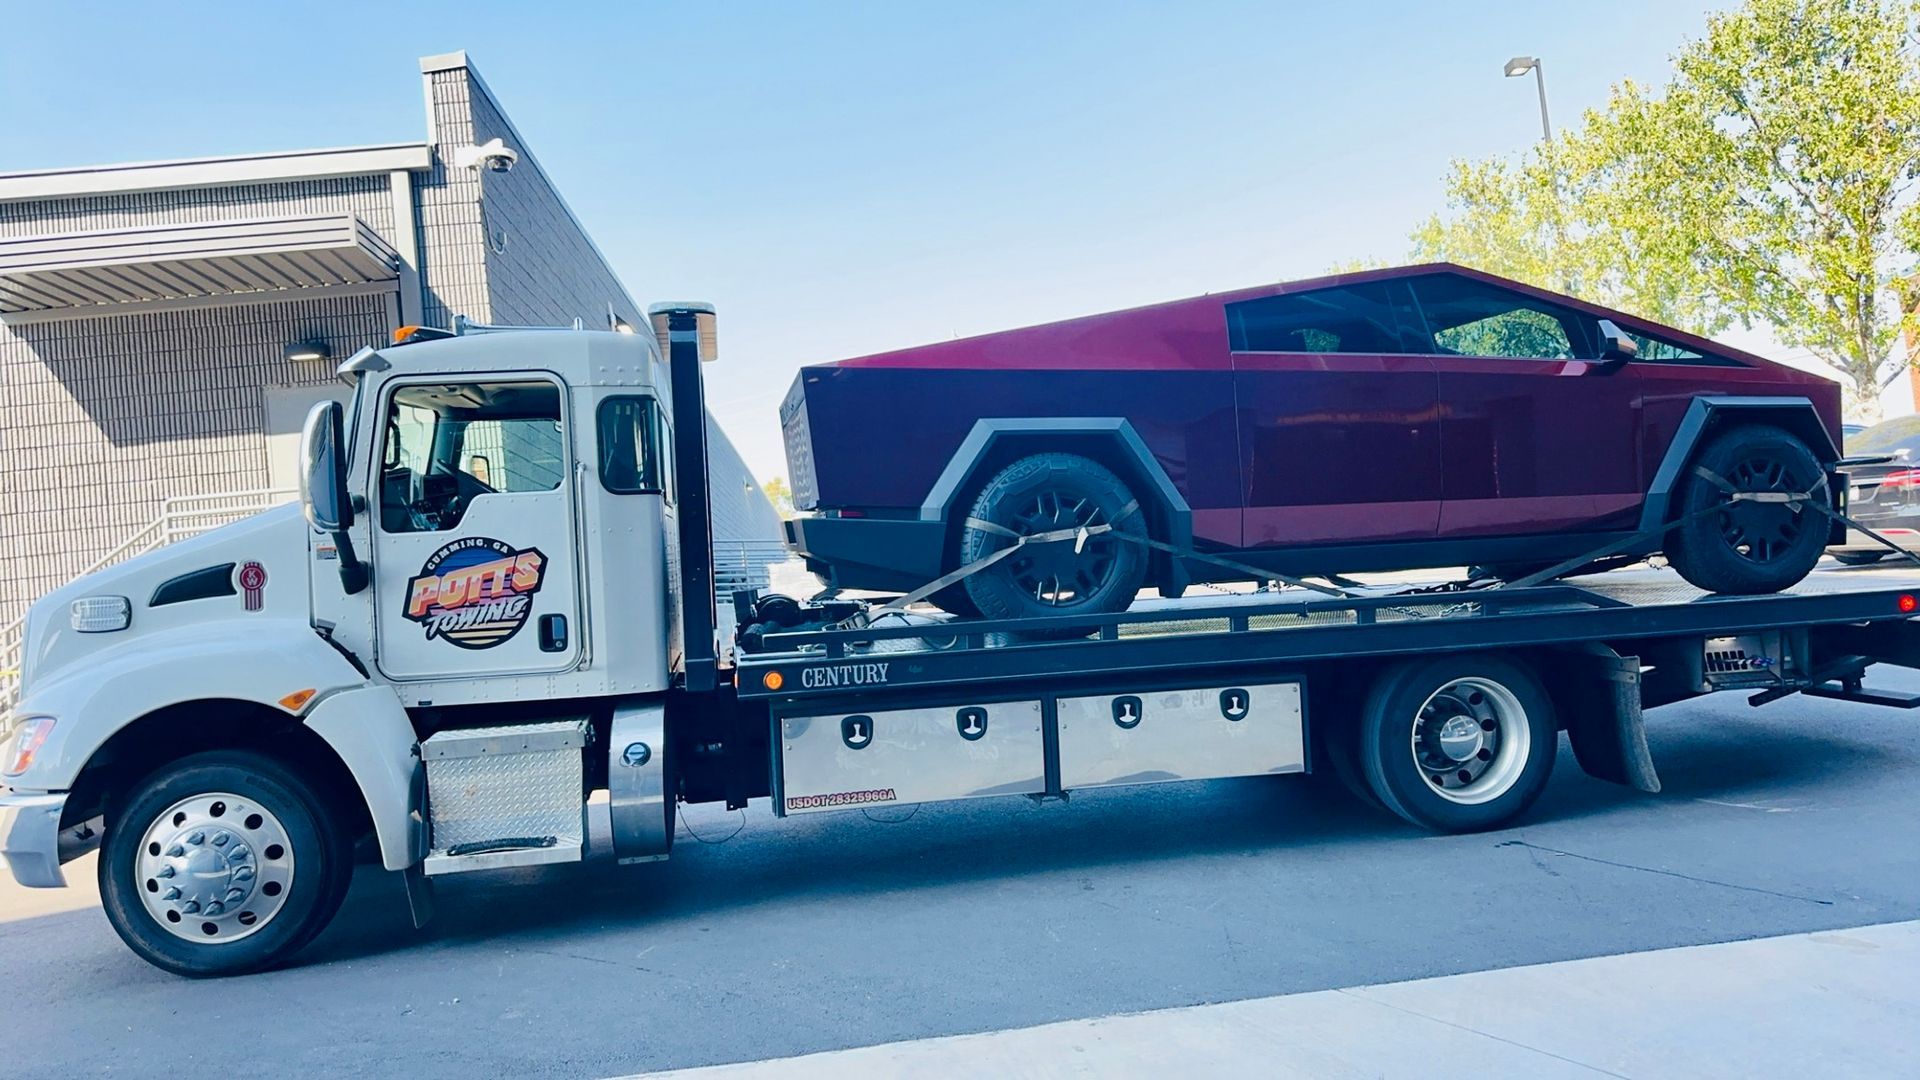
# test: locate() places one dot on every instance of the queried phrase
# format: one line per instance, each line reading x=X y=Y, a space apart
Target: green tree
x=780 y=495
x=1773 y=180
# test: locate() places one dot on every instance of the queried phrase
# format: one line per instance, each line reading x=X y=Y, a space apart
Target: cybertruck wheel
x=1750 y=546
x=1458 y=743
x=221 y=864
x=1095 y=573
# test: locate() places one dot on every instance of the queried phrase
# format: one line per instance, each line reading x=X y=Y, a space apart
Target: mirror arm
x=353 y=572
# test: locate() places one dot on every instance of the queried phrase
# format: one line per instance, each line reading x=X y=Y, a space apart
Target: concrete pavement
x=820 y=933
x=1832 y=1004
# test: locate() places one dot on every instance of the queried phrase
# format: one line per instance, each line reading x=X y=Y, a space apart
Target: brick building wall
x=103 y=418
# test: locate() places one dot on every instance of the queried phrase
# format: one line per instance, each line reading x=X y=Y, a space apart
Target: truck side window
x=447 y=444
x=632 y=435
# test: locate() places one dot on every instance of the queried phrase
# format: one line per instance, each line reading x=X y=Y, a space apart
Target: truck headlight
x=28 y=736
x=100 y=614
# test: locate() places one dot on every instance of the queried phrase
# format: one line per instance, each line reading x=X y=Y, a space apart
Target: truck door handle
x=553 y=633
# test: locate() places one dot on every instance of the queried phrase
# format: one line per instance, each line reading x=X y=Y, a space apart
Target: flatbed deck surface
x=1384 y=617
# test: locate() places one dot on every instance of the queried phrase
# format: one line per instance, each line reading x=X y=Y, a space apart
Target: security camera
x=497 y=156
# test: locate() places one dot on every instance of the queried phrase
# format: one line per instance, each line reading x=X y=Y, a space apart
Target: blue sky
x=846 y=178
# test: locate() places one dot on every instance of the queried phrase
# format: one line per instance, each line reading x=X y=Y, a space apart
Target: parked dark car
x=1392 y=419
x=1883 y=497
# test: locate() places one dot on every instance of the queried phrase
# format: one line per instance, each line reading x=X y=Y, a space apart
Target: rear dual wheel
x=1456 y=744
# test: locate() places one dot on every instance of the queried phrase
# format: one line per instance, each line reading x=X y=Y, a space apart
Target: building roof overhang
x=71 y=273
x=278 y=167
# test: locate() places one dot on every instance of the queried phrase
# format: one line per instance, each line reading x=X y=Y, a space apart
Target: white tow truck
x=496 y=599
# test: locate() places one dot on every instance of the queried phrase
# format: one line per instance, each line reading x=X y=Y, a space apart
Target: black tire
x=1860 y=558
x=317 y=857
x=1408 y=740
x=954 y=601
x=1750 y=547
x=1044 y=493
x=1338 y=761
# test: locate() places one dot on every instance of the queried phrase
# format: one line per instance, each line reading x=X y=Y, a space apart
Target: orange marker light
x=401 y=334
x=1908 y=603
x=297 y=700
x=773 y=680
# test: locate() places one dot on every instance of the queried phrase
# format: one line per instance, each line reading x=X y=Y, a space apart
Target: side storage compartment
x=1157 y=736
x=506 y=796
x=833 y=761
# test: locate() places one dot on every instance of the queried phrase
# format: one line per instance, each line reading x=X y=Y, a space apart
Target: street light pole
x=1520 y=65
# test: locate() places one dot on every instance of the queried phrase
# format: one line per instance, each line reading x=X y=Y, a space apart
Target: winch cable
x=1795 y=500
x=1079 y=535
x=1340 y=589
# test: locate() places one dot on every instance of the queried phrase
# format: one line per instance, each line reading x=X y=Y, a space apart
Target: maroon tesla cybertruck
x=1421 y=416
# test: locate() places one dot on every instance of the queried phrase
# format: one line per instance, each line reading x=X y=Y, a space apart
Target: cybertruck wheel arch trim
x=1800 y=420
x=964 y=465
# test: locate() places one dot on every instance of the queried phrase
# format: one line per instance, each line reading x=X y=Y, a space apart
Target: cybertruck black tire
x=1750 y=547
x=1047 y=493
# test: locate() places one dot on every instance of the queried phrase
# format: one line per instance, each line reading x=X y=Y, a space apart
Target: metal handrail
x=180 y=516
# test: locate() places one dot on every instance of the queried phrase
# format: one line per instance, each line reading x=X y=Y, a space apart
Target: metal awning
x=72 y=272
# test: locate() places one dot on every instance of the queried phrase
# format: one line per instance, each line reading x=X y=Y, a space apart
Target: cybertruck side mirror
x=1616 y=347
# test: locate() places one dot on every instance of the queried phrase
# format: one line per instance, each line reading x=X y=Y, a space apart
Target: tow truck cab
x=489 y=532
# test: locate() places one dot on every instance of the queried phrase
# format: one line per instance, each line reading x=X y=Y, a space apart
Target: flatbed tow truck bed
x=1230 y=630
x=867 y=713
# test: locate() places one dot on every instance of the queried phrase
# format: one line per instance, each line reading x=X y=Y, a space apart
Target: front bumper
x=870 y=553
x=30 y=838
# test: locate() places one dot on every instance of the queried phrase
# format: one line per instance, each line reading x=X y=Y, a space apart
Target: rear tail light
x=1904 y=480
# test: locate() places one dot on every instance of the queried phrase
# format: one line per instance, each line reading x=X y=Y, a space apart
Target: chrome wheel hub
x=214 y=867
x=1471 y=740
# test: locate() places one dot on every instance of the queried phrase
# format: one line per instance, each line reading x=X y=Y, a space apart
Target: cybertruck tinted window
x=1349 y=319
x=1473 y=318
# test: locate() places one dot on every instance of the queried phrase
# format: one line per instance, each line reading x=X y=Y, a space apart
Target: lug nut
x=176 y=851
x=197 y=838
x=191 y=907
x=236 y=894
x=215 y=907
x=165 y=871
x=244 y=873
x=220 y=839
x=172 y=893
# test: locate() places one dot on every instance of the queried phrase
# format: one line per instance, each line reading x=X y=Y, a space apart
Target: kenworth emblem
x=832 y=675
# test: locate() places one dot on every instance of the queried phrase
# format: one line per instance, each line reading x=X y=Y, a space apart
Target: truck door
x=474 y=562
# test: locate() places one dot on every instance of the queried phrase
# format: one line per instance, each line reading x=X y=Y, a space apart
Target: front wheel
x=1748 y=523
x=1458 y=744
x=222 y=863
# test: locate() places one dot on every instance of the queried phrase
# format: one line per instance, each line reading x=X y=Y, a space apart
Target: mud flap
x=420 y=902
x=1604 y=721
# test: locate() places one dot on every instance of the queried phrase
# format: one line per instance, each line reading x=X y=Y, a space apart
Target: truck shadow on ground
x=848 y=857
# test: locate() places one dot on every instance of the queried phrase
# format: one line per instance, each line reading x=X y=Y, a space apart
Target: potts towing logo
x=476 y=592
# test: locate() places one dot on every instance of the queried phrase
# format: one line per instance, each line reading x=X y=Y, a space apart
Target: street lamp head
x=1520 y=65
